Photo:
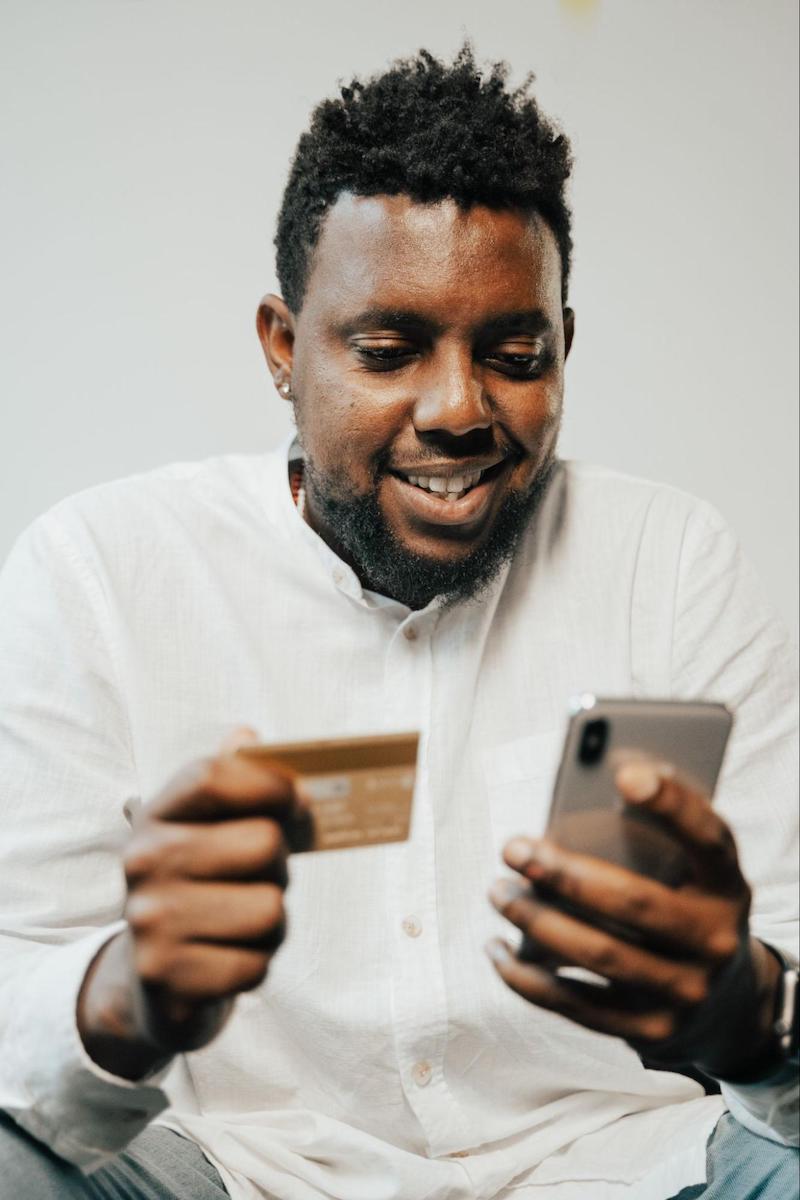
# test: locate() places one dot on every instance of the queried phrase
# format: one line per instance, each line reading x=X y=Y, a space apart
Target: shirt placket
x=419 y=1008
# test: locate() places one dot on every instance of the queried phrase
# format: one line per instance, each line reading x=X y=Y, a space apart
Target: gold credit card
x=358 y=790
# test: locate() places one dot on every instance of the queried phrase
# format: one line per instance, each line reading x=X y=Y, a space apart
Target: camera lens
x=593 y=742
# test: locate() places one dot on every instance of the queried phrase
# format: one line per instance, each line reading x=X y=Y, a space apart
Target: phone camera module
x=593 y=742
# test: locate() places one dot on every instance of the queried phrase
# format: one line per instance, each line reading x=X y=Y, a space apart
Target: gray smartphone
x=587 y=813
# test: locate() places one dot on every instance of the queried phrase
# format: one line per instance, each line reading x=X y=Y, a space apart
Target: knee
x=29 y=1169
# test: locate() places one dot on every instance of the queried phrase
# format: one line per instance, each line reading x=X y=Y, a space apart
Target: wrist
x=109 y=1015
x=764 y=1051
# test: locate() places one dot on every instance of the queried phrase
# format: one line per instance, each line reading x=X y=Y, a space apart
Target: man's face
x=426 y=369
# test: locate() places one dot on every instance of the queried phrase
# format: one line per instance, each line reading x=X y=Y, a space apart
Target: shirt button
x=412 y=926
x=421 y=1073
x=338 y=575
x=410 y=633
x=460 y=1154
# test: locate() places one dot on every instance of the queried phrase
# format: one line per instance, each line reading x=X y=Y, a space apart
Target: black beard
x=386 y=566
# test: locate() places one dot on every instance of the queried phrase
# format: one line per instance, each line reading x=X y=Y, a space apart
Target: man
x=418 y=559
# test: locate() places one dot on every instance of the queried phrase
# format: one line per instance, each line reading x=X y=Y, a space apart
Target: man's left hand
x=681 y=980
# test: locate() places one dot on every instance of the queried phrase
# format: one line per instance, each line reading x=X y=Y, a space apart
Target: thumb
x=242 y=735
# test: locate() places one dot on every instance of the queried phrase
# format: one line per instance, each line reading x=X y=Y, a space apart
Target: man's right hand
x=206 y=871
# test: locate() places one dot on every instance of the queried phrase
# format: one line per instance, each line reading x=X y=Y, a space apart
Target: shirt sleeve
x=67 y=786
x=728 y=646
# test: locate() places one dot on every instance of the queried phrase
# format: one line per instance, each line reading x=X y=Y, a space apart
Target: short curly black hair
x=430 y=131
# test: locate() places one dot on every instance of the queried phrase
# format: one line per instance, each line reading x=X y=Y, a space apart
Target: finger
x=691 y=924
x=247 y=913
x=228 y=786
x=242 y=735
x=542 y=988
x=250 y=848
x=693 y=822
x=575 y=943
x=201 y=972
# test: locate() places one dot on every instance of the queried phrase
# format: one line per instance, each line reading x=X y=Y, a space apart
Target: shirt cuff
x=59 y=1094
x=769 y=1108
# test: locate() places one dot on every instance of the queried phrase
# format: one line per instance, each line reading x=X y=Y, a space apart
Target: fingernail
x=543 y=856
x=518 y=852
x=639 y=781
x=498 y=952
x=239 y=737
x=503 y=891
x=302 y=799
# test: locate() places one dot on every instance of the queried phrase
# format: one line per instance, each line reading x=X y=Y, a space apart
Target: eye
x=526 y=361
x=519 y=366
x=384 y=355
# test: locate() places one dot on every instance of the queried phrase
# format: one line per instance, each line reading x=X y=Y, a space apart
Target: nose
x=450 y=395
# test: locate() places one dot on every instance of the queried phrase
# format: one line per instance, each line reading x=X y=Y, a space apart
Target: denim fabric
x=157 y=1165
x=742 y=1166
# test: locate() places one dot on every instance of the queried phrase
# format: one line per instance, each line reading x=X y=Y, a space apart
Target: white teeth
x=452 y=488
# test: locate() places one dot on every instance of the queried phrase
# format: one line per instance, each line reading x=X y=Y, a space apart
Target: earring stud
x=284 y=388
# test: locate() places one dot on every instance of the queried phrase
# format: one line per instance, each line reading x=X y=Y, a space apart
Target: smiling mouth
x=449 y=488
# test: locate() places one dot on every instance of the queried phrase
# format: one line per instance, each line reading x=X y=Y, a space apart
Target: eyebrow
x=530 y=321
x=403 y=320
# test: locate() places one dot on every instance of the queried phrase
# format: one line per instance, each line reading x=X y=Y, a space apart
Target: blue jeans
x=157 y=1165
x=162 y=1165
x=741 y=1166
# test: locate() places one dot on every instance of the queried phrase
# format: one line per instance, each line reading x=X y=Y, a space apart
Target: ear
x=275 y=327
x=569 y=330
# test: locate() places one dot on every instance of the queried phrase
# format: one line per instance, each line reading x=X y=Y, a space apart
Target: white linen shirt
x=382 y=1059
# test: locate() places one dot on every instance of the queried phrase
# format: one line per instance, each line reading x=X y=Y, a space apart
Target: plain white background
x=144 y=146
